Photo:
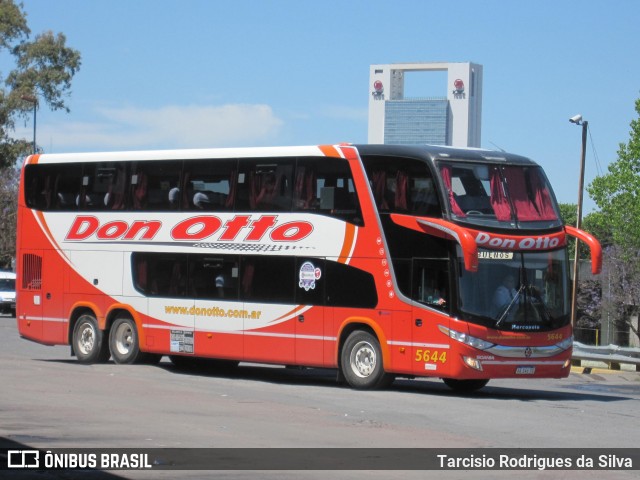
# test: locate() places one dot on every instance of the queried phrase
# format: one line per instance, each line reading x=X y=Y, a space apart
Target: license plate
x=525 y=370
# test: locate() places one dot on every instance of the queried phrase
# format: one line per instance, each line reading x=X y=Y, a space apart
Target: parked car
x=8 y=293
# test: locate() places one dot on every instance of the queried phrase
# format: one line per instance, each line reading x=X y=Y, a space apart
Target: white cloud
x=346 y=113
x=166 y=127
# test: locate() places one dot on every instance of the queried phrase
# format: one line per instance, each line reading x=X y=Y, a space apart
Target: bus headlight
x=566 y=343
x=466 y=339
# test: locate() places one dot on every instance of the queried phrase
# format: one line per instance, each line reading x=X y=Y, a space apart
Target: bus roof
x=441 y=152
x=424 y=152
x=179 y=154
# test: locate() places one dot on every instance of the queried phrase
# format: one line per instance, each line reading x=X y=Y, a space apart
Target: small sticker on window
x=494 y=255
x=309 y=275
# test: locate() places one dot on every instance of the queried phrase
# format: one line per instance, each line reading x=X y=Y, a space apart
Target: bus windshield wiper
x=533 y=292
x=513 y=301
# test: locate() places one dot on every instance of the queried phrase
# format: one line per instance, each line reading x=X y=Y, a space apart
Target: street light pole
x=574 y=298
x=34 y=100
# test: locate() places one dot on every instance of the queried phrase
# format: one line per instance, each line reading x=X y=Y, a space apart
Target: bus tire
x=89 y=344
x=361 y=362
x=123 y=342
x=465 y=386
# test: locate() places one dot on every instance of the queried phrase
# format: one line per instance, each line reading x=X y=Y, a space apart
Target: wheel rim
x=123 y=339
x=86 y=339
x=363 y=359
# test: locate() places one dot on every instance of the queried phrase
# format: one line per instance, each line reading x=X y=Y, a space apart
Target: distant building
x=454 y=119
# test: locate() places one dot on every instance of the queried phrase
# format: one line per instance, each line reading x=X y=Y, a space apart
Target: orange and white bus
x=379 y=261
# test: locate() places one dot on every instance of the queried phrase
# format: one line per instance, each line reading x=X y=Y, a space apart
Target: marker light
x=473 y=363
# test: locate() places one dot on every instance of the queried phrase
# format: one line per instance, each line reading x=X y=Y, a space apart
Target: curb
x=586 y=370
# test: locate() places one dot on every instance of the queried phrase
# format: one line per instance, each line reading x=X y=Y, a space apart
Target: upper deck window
x=499 y=195
x=402 y=185
x=312 y=185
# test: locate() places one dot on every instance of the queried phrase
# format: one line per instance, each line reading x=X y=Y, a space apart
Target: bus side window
x=268 y=279
x=53 y=187
x=67 y=188
x=160 y=274
x=138 y=189
x=304 y=194
x=140 y=275
x=151 y=184
x=115 y=197
x=98 y=192
x=39 y=192
x=213 y=277
x=431 y=282
x=424 y=199
x=325 y=185
x=270 y=185
x=226 y=280
x=208 y=185
x=402 y=185
x=347 y=286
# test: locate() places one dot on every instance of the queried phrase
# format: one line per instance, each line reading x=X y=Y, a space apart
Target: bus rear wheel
x=88 y=341
x=124 y=343
x=465 y=386
x=361 y=362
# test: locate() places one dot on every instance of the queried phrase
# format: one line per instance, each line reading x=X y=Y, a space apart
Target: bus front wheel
x=89 y=343
x=361 y=362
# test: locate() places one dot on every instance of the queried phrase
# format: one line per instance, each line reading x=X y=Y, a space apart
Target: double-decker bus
x=378 y=261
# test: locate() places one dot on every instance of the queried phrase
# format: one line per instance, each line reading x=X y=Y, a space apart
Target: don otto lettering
x=500 y=242
x=237 y=229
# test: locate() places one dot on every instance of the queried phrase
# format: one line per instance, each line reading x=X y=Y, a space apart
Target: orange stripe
x=329 y=151
x=347 y=244
x=32 y=159
x=47 y=231
x=289 y=313
x=348 y=151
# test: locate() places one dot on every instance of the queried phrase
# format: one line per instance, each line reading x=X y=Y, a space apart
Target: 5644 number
x=432 y=356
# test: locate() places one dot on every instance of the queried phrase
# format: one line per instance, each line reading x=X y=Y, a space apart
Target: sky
x=160 y=74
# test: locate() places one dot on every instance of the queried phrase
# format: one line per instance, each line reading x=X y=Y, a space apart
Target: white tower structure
x=452 y=119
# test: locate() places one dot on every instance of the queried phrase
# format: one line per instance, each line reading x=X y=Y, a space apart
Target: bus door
x=169 y=299
x=29 y=295
x=219 y=313
x=310 y=319
x=40 y=312
x=267 y=289
x=431 y=291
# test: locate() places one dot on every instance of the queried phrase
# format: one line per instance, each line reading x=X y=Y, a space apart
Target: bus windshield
x=504 y=196
x=7 y=285
x=517 y=291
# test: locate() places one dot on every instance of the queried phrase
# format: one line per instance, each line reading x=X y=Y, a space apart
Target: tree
x=594 y=222
x=589 y=311
x=9 y=207
x=621 y=290
x=617 y=193
x=44 y=68
x=589 y=295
